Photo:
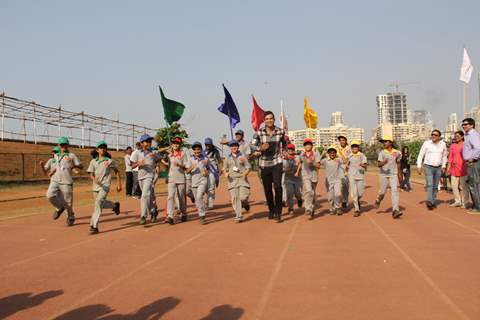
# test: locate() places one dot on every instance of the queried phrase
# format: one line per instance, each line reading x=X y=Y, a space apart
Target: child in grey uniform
x=50 y=166
x=177 y=161
x=334 y=174
x=344 y=152
x=390 y=175
x=236 y=170
x=146 y=160
x=310 y=163
x=356 y=165
x=101 y=170
x=293 y=180
x=197 y=167
x=60 y=191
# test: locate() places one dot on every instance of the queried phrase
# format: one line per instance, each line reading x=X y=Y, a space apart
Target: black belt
x=433 y=166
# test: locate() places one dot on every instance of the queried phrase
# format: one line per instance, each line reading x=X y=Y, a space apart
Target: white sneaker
x=456 y=204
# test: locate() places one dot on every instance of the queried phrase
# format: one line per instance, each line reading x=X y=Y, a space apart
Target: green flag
x=172 y=109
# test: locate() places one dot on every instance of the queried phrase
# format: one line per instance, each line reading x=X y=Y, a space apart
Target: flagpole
x=464 y=99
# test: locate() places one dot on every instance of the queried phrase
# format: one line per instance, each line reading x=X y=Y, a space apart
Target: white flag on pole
x=467 y=68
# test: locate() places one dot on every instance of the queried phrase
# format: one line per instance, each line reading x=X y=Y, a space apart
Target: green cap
x=63 y=140
x=101 y=143
x=56 y=149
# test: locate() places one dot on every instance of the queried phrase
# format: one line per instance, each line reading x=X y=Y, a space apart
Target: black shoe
x=356 y=213
x=396 y=214
x=203 y=220
x=70 y=221
x=192 y=198
x=270 y=215
x=183 y=218
x=299 y=203
x=430 y=206
x=377 y=203
x=246 y=206
x=359 y=204
x=58 y=213
x=339 y=212
x=153 y=218
x=278 y=219
x=290 y=212
x=170 y=221
x=116 y=208
x=93 y=230
x=143 y=221
x=344 y=205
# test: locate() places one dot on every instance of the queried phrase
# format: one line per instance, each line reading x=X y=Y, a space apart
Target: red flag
x=257 y=115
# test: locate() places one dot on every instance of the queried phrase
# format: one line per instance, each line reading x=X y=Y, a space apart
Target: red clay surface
x=423 y=266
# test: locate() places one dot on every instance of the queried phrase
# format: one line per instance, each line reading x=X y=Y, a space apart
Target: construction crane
x=397 y=84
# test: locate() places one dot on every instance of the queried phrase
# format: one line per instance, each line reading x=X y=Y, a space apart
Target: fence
x=29 y=121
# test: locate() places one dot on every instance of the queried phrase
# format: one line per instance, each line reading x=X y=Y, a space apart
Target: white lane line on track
x=445 y=298
x=128 y=275
x=278 y=265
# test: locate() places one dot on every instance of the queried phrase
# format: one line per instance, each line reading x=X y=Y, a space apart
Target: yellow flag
x=309 y=115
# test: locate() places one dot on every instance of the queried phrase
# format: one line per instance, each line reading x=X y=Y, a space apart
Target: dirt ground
x=423 y=266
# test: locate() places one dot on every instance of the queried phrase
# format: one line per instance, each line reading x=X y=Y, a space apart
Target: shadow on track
x=17 y=302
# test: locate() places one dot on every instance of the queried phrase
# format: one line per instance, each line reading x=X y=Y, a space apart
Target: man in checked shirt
x=272 y=143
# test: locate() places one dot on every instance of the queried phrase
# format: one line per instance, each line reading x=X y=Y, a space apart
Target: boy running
x=215 y=162
x=344 y=152
x=50 y=166
x=390 y=174
x=146 y=161
x=334 y=174
x=293 y=181
x=236 y=171
x=356 y=165
x=101 y=170
x=197 y=167
x=310 y=163
x=60 y=191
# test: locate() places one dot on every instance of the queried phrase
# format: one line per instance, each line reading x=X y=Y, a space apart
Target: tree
x=414 y=148
x=165 y=135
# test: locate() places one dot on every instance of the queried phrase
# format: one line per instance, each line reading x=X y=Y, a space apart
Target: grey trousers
x=237 y=196
x=176 y=191
x=293 y=189
x=146 y=200
x=211 y=190
x=392 y=182
x=199 y=192
x=101 y=202
x=61 y=196
x=345 y=189
x=310 y=194
x=357 y=188
x=334 y=192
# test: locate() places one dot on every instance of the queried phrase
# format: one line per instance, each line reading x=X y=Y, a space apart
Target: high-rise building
x=392 y=108
x=336 y=119
x=474 y=114
x=451 y=127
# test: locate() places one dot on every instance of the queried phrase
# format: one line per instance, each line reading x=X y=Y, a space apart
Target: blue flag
x=229 y=108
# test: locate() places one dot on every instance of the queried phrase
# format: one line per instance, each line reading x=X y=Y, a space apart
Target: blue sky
x=108 y=57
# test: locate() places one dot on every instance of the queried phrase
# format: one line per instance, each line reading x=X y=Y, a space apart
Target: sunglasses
x=466 y=124
x=435 y=135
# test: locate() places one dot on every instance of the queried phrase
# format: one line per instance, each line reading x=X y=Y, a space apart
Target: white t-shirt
x=128 y=163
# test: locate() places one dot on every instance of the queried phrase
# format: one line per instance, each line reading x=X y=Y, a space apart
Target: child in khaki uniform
x=292 y=178
x=390 y=174
x=236 y=168
x=334 y=173
x=356 y=165
x=310 y=163
x=101 y=170
x=60 y=191
x=197 y=167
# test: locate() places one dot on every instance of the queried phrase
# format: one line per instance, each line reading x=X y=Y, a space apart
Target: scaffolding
x=31 y=122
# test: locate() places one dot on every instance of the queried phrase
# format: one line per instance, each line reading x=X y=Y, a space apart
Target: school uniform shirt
x=344 y=152
x=65 y=163
x=236 y=166
x=147 y=170
x=132 y=157
x=175 y=173
x=245 y=149
x=393 y=157
x=333 y=169
x=51 y=165
x=355 y=170
x=290 y=167
x=102 y=169
x=309 y=171
x=128 y=163
x=201 y=164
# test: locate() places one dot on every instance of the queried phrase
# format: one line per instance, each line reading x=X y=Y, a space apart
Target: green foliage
x=371 y=151
x=165 y=135
x=320 y=149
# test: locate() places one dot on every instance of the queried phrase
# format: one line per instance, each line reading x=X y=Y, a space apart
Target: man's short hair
x=266 y=113
x=469 y=121
x=437 y=131
x=128 y=148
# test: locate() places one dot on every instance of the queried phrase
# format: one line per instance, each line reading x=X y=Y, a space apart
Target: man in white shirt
x=128 y=172
x=136 y=191
x=432 y=159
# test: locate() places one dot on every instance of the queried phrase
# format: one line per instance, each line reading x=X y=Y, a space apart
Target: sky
x=109 y=57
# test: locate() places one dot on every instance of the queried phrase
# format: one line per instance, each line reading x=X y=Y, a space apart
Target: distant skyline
x=109 y=57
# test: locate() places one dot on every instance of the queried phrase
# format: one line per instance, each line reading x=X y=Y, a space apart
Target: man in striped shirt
x=271 y=142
